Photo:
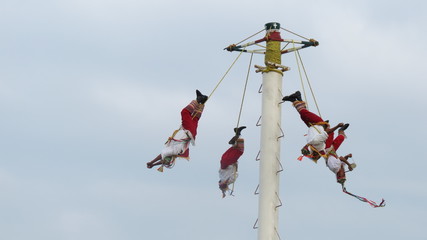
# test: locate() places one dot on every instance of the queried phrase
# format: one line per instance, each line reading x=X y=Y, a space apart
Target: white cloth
x=316 y=137
x=334 y=164
x=178 y=144
x=229 y=174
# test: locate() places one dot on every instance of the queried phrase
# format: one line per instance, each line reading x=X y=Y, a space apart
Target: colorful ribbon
x=372 y=203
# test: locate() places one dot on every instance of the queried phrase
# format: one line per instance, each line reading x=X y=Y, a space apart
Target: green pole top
x=272 y=26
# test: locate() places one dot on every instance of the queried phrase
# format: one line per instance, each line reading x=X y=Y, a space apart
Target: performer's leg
x=341 y=136
x=338 y=141
x=190 y=116
x=308 y=117
x=189 y=123
x=329 y=141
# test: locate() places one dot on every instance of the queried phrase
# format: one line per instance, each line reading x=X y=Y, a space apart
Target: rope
x=294 y=33
x=300 y=77
x=235 y=178
x=225 y=74
x=240 y=112
x=370 y=202
x=249 y=37
x=283 y=48
x=244 y=90
x=299 y=61
x=309 y=84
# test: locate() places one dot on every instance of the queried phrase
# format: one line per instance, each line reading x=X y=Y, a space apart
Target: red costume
x=177 y=145
x=228 y=171
x=335 y=143
x=316 y=135
x=232 y=155
x=307 y=117
x=190 y=116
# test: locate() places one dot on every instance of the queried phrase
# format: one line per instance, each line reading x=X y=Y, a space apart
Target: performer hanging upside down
x=321 y=142
x=177 y=145
x=337 y=164
x=318 y=129
x=228 y=170
x=334 y=162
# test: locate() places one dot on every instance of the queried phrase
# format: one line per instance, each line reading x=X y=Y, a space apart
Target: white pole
x=270 y=145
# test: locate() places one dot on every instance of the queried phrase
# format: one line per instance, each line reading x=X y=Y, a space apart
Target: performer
x=318 y=129
x=334 y=162
x=228 y=170
x=178 y=144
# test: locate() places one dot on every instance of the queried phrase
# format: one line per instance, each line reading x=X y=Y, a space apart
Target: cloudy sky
x=90 y=90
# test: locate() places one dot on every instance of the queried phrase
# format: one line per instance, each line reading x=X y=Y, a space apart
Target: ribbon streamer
x=372 y=203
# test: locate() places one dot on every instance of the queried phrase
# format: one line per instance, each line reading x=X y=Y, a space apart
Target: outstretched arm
x=156 y=161
x=345 y=160
x=329 y=130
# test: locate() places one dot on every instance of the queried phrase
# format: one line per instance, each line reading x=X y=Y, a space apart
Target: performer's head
x=307 y=152
x=223 y=185
x=341 y=175
x=315 y=156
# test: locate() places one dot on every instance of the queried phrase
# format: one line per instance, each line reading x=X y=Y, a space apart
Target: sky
x=90 y=90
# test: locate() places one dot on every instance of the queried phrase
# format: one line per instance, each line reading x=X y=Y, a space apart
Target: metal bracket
x=277 y=233
x=258 y=122
x=279 y=201
x=283 y=134
x=255 y=224
x=280 y=165
x=256 y=190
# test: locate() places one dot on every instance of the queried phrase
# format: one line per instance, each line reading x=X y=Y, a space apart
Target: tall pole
x=271 y=132
x=270 y=137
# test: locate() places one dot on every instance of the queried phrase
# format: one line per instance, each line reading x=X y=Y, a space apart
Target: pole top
x=272 y=26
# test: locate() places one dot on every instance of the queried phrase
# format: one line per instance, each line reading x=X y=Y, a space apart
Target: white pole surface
x=270 y=156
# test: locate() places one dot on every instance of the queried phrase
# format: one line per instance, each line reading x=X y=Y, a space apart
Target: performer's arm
x=345 y=160
x=329 y=130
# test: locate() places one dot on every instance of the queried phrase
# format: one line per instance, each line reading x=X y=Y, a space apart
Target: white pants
x=177 y=145
x=228 y=175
